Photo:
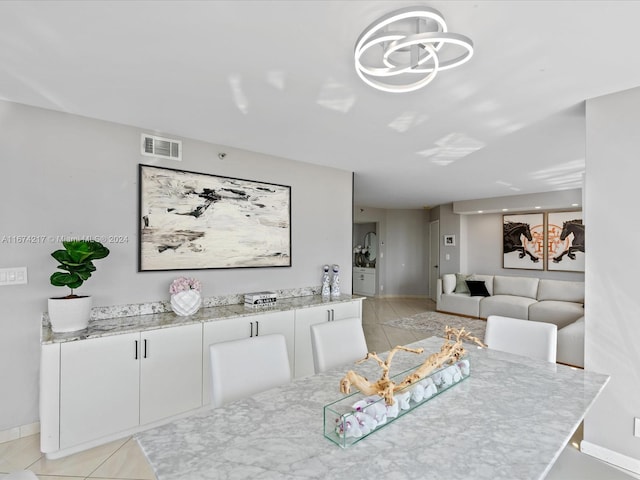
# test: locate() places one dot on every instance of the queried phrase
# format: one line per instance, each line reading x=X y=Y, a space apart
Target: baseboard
x=461 y=315
x=18 y=432
x=570 y=365
x=610 y=456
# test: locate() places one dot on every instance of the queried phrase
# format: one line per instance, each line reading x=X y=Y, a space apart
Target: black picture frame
x=523 y=241
x=194 y=221
x=565 y=241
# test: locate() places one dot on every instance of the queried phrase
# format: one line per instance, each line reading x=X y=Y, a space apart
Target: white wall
x=406 y=251
x=69 y=175
x=450 y=224
x=482 y=243
x=612 y=340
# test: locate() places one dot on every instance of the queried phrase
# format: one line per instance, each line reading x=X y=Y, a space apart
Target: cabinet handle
x=251 y=334
x=257 y=326
x=145 y=348
x=333 y=314
x=328 y=315
x=136 y=351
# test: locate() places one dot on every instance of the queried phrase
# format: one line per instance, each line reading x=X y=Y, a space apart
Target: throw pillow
x=477 y=288
x=461 y=286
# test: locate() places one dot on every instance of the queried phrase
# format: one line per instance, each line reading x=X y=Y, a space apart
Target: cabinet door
x=216 y=332
x=99 y=387
x=364 y=281
x=305 y=318
x=278 y=322
x=369 y=284
x=170 y=372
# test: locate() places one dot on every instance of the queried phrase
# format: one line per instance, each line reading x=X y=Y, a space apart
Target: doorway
x=434 y=257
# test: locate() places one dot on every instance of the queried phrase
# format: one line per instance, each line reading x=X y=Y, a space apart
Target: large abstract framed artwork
x=523 y=241
x=565 y=241
x=192 y=220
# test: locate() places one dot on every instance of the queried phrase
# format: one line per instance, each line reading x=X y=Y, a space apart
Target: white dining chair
x=337 y=343
x=241 y=368
x=522 y=337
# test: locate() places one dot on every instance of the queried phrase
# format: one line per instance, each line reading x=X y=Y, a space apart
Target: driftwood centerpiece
x=451 y=351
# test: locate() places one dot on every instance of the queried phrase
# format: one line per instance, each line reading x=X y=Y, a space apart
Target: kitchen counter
x=116 y=325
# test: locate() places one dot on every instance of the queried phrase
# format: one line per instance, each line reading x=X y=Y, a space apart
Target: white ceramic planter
x=186 y=303
x=69 y=314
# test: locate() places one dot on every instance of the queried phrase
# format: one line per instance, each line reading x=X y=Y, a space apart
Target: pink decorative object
x=182 y=284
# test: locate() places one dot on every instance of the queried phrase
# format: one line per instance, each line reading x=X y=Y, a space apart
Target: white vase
x=186 y=303
x=69 y=314
x=335 y=281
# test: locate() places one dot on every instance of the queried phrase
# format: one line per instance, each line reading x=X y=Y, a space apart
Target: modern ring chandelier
x=401 y=51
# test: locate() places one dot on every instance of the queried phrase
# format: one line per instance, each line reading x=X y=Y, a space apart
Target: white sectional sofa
x=553 y=301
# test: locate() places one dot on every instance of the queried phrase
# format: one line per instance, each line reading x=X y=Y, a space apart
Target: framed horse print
x=565 y=241
x=523 y=241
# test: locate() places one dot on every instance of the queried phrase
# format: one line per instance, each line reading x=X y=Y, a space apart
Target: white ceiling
x=277 y=77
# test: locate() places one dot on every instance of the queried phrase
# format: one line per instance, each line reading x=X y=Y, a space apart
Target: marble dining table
x=510 y=419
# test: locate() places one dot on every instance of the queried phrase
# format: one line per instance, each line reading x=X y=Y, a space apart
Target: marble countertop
x=138 y=323
x=509 y=420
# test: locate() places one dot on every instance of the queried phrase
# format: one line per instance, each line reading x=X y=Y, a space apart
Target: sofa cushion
x=448 y=283
x=516 y=286
x=506 y=306
x=461 y=286
x=459 y=303
x=571 y=344
x=477 y=288
x=561 y=290
x=487 y=279
x=554 y=311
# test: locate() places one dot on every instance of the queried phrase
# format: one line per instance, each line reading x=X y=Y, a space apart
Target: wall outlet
x=636 y=427
x=13 y=276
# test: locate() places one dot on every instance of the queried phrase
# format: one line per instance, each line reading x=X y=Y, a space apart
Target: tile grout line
x=88 y=477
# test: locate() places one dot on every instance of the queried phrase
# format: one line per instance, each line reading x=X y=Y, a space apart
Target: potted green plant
x=72 y=312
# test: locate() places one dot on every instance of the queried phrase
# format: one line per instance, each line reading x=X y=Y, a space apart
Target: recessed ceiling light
x=575 y=204
x=480 y=211
x=537 y=208
x=505 y=209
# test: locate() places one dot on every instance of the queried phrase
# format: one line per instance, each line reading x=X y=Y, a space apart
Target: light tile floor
x=123 y=459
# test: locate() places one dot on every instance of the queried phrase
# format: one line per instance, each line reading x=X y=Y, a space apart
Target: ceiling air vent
x=160 y=147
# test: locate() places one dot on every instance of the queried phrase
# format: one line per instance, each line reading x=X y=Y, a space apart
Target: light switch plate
x=13 y=276
x=636 y=427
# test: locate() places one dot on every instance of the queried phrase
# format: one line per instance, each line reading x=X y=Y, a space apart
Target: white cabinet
x=244 y=327
x=306 y=317
x=115 y=383
x=99 y=387
x=170 y=372
x=96 y=390
x=364 y=281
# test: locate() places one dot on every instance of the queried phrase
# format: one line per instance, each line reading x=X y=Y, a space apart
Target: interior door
x=434 y=257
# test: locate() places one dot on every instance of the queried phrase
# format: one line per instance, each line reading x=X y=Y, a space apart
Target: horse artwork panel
x=565 y=241
x=523 y=241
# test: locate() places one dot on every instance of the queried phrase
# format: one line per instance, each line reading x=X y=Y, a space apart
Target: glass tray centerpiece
x=357 y=415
